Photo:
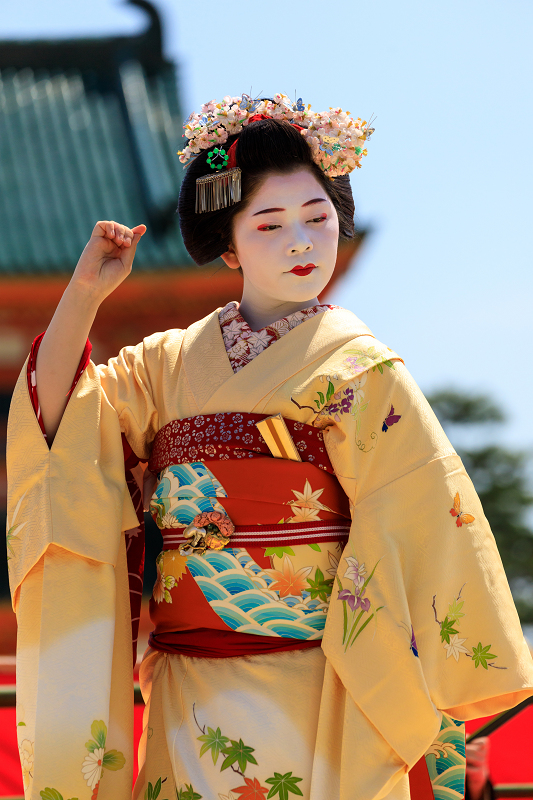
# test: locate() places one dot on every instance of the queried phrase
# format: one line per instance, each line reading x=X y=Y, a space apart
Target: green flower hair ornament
x=215 y=154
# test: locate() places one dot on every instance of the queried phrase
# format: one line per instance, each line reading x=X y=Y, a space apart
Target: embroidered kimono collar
x=243 y=345
x=208 y=369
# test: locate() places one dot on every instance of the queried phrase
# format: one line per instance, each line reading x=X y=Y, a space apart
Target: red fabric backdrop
x=511 y=754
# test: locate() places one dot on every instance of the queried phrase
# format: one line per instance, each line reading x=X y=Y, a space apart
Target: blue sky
x=446 y=277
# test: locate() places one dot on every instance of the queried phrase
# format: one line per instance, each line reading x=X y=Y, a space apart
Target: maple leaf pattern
x=238 y=752
x=278 y=551
x=480 y=655
x=450 y=636
x=454 y=610
x=287 y=581
x=307 y=506
x=283 y=784
x=252 y=790
x=214 y=741
x=446 y=630
x=455 y=646
x=319 y=586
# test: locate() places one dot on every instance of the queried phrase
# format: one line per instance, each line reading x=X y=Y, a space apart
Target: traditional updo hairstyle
x=264 y=147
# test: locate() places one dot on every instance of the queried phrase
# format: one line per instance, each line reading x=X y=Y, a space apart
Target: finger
x=103 y=228
x=119 y=233
x=128 y=236
x=128 y=258
x=133 y=235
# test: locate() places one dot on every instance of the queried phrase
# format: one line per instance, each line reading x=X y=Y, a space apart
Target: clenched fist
x=107 y=258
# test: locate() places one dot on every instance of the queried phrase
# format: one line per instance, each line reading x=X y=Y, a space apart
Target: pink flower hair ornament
x=336 y=139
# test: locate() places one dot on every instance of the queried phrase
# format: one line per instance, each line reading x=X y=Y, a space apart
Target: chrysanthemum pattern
x=26 y=761
x=96 y=760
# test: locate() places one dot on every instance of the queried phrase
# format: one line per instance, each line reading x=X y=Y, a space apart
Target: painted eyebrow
x=309 y=203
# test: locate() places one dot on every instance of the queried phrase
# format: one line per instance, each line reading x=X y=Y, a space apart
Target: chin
x=305 y=292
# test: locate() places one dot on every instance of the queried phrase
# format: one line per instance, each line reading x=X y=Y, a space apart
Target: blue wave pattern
x=446 y=760
x=237 y=589
x=183 y=491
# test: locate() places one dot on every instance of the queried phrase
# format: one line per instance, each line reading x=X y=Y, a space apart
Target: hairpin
x=213 y=155
x=336 y=140
x=218 y=191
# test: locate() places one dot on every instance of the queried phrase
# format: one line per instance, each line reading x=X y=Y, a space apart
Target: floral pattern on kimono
x=319 y=697
x=243 y=344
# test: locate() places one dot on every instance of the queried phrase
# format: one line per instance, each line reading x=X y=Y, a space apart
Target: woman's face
x=289 y=223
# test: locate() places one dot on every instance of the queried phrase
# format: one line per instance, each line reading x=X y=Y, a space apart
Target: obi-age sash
x=282 y=510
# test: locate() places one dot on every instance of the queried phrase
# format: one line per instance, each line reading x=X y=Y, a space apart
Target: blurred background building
x=89 y=130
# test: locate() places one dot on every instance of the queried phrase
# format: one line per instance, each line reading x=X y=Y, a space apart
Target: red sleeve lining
x=32 y=381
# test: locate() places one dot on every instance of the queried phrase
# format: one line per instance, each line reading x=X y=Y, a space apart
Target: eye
x=321 y=218
x=268 y=227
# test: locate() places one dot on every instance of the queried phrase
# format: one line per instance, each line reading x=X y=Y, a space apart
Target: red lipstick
x=299 y=270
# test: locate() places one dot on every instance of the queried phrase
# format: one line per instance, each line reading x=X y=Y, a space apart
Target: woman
x=330 y=603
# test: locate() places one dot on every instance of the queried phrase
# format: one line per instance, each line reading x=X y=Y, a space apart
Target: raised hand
x=107 y=258
x=103 y=265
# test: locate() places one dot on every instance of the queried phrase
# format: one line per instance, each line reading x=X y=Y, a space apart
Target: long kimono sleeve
x=421 y=619
x=68 y=507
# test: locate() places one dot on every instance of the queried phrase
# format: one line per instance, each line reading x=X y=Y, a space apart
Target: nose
x=300 y=242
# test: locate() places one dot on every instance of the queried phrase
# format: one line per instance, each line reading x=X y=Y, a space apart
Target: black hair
x=265 y=147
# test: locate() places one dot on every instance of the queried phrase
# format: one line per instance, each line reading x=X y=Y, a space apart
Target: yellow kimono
x=420 y=559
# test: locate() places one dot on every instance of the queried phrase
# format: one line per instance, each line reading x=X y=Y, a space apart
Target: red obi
x=269 y=587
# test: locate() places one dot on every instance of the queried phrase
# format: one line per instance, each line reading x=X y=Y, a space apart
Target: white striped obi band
x=282 y=535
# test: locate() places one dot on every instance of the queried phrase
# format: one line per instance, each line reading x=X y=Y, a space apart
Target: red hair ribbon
x=232 y=152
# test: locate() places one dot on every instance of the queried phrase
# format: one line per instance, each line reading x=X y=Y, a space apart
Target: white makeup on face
x=290 y=222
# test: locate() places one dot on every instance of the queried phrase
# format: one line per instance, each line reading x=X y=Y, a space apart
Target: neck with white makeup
x=259 y=311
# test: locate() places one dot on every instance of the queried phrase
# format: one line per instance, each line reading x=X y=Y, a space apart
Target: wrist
x=83 y=295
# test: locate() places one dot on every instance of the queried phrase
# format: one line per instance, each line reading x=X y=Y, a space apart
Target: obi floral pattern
x=243 y=344
x=227 y=436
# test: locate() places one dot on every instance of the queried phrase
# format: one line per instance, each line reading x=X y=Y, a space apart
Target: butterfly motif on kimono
x=247 y=104
x=412 y=644
x=391 y=419
x=461 y=517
